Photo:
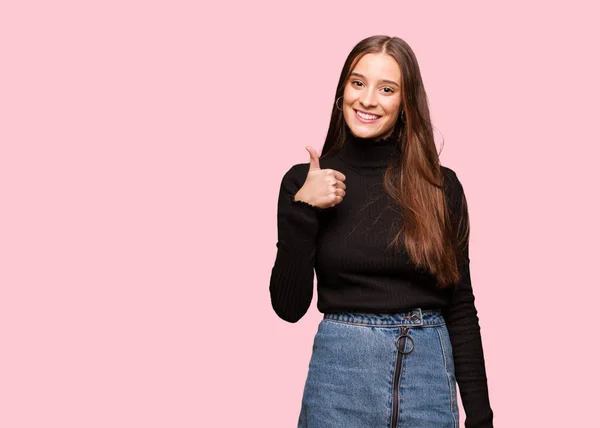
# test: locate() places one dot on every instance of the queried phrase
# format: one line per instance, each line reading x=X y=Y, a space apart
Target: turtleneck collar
x=368 y=154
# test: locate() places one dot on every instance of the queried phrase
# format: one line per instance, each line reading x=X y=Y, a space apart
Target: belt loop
x=417 y=316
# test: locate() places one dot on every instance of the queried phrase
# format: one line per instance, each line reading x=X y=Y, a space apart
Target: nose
x=367 y=98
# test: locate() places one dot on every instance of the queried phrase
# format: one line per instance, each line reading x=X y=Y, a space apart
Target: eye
x=360 y=84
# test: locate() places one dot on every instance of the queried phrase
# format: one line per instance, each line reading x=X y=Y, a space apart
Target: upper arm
x=459 y=211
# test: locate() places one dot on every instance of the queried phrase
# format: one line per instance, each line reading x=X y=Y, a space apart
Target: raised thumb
x=314 y=158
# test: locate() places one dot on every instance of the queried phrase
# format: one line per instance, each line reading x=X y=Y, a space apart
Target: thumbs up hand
x=323 y=188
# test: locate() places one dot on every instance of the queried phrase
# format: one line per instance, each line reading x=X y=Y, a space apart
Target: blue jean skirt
x=381 y=370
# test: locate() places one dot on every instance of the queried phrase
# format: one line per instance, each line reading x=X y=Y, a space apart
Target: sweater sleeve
x=292 y=277
x=463 y=323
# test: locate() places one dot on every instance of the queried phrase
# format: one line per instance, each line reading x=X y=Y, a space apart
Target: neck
x=369 y=154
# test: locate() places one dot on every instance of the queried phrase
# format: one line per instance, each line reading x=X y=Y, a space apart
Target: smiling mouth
x=369 y=117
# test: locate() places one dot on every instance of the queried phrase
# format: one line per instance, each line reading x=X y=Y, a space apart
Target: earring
x=403 y=116
x=336 y=103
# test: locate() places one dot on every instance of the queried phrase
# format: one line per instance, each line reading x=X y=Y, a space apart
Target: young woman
x=386 y=229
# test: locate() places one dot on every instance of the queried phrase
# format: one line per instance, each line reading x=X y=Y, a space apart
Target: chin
x=366 y=134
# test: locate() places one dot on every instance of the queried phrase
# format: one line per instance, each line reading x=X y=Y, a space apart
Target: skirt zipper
x=401 y=345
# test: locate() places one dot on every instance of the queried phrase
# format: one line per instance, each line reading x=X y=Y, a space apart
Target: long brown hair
x=416 y=181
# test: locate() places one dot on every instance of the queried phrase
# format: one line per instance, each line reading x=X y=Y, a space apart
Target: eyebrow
x=391 y=82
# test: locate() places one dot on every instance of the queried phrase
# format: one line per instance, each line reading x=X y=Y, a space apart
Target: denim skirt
x=381 y=370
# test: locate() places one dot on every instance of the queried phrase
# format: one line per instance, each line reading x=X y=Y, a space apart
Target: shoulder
x=296 y=171
x=299 y=168
x=452 y=185
x=295 y=177
x=450 y=176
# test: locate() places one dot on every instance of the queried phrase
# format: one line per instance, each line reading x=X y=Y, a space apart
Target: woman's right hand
x=323 y=188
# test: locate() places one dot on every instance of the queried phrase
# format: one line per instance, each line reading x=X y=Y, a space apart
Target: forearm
x=292 y=277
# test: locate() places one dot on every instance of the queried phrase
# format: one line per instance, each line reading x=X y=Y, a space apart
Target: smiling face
x=372 y=96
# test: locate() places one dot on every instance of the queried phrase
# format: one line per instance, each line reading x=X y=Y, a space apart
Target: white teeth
x=366 y=116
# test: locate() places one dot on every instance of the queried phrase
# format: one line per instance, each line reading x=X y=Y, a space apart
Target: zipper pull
x=405 y=336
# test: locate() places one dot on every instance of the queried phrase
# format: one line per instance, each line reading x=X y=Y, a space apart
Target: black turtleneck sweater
x=347 y=246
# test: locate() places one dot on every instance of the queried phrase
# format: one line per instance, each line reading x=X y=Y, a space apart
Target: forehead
x=378 y=66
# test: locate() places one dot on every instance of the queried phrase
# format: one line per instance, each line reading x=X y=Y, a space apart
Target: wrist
x=299 y=197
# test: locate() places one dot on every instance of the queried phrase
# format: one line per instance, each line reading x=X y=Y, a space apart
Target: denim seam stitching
x=452 y=397
x=413 y=325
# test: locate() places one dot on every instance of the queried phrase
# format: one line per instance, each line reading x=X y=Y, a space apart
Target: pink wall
x=142 y=148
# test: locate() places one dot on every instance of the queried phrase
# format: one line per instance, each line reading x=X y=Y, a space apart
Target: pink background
x=142 y=148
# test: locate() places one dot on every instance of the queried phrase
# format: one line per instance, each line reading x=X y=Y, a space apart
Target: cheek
x=393 y=107
x=349 y=93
